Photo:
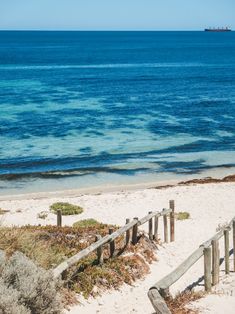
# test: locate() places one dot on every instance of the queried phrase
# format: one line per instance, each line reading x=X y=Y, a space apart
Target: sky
x=116 y=14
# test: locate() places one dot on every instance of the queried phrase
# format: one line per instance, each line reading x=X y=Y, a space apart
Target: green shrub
x=26 y=288
x=182 y=216
x=66 y=208
x=86 y=223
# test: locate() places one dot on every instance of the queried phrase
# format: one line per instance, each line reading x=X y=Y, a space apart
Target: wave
x=102 y=66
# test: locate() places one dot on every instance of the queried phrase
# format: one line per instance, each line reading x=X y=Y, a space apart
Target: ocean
x=83 y=109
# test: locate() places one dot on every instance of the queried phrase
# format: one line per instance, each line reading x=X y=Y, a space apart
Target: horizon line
x=106 y=30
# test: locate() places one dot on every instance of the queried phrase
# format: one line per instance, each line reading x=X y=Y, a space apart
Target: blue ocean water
x=109 y=107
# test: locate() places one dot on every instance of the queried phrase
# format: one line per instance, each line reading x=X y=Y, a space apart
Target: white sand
x=208 y=205
x=222 y=299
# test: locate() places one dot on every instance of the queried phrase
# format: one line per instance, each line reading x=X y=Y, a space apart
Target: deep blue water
x=113 y=105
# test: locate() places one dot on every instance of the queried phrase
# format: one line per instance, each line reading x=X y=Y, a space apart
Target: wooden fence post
x=100 y=255
x=165 y=227
x=215 y=262
x=112 y=244
x=155 y=236
x=226 y=250
x=172 y=221
x=127 y=232
x=59 y=218
x=150 y=228
x=158 y=302
x=135 y=232
x=234 y=245
x=207 y=269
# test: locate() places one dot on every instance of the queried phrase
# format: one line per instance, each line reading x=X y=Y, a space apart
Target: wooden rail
x=129 y=227
x=160 y=290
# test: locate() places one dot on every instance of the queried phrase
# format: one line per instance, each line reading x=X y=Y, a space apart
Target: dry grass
x=178 y=305
x=95 y=279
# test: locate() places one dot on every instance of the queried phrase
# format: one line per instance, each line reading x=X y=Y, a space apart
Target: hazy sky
x=116 y=14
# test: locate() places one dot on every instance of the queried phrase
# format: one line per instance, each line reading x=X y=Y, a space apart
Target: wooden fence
x=131 y=234
x=210 y=251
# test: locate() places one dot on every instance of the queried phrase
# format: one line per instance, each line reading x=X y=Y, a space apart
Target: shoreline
x=89 y=190
x=119 y=188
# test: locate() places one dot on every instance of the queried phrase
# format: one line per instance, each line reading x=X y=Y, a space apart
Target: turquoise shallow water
x=86 y=108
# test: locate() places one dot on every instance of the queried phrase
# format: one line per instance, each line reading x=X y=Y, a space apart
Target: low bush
x=26 y=288
x=66 y=208
x=86 y=223
x=182 y=215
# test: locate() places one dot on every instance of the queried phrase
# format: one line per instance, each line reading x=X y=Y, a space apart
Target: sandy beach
x=209 y=205
x=117 y=157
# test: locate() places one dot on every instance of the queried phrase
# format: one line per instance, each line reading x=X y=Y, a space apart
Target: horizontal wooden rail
x=175 y=275
x=154 y=214
x=161 y=288
x=107 y=239
x=76 y=258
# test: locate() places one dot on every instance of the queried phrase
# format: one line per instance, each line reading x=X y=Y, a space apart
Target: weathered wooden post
x=165 y=227
x=158 y=302
x=207 y=269
x=127 y=232
x=135 y=232
x=234 y=245
x=100 y=255
x=215 y=262
x=155 y=236
x=226 y=250
x=150 y=228
x=59 y=218
x=112 y=244
x=172 y=220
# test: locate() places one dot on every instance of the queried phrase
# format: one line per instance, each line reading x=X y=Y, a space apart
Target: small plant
x=3 y=211
x=43 y=215
x=66 y=208
x=86 y=223
x=182 y=215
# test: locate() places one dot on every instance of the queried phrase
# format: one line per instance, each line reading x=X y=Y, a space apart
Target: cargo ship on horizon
x=214 y=29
